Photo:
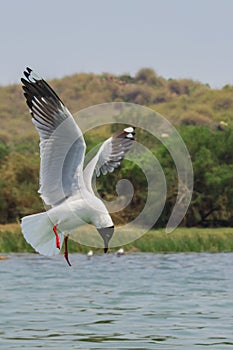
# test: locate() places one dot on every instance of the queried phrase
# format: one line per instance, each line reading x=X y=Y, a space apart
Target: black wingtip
x=38 y=87
x=31 y=76
x=130 y=134
x=27 y=72
x=127 y=133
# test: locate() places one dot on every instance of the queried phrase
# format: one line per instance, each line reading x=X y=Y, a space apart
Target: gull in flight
x=64 y=185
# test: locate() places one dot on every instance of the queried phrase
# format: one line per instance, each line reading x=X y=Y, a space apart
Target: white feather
x=130 y=129
x=38 y=231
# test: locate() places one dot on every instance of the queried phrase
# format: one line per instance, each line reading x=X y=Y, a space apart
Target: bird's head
x=106 y=233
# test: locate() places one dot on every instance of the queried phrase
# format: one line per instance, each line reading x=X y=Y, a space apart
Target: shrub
x=147 y=76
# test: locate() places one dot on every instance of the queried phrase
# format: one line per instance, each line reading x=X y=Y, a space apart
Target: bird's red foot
x=58 y=244
x=66 y=255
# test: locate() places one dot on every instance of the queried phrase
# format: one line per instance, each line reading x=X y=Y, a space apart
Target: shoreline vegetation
x=155 y=241
x=202 y=116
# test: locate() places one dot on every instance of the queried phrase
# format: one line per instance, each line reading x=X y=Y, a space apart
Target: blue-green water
x=136 y=301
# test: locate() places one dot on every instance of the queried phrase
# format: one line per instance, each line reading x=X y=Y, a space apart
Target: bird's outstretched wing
x=110 y=155
x=62 y=146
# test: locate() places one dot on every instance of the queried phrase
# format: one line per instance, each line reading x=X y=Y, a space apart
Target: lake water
x=136 y=301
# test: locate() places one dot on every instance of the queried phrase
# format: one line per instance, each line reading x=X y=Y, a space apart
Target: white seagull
x=64 y=185
x=90 y=254
x=120 y=252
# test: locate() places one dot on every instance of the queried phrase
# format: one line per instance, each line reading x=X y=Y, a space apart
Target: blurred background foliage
x=203 y=117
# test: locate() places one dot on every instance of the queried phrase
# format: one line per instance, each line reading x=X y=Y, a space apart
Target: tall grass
x=12 y=240
x=186 y=240
x=157 y=241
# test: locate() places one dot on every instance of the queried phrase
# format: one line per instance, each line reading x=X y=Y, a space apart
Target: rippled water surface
x=136 y=301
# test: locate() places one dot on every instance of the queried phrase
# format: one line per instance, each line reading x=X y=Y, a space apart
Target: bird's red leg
x=66 y=250
x=58 y=245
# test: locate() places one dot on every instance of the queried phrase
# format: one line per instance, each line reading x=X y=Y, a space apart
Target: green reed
x=156 y=241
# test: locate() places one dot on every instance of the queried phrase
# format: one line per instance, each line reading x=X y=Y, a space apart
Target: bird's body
x=64 y=185
x=77 y=211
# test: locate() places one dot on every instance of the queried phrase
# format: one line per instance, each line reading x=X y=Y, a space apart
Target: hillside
x=180 y=101
x=203 y=116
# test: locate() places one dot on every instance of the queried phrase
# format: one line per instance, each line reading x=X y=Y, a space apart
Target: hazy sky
x=177 y=38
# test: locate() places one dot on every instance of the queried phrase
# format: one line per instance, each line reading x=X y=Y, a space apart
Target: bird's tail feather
x=38 y=232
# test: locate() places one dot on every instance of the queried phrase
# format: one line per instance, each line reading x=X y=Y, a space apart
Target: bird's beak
x=106 y=233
